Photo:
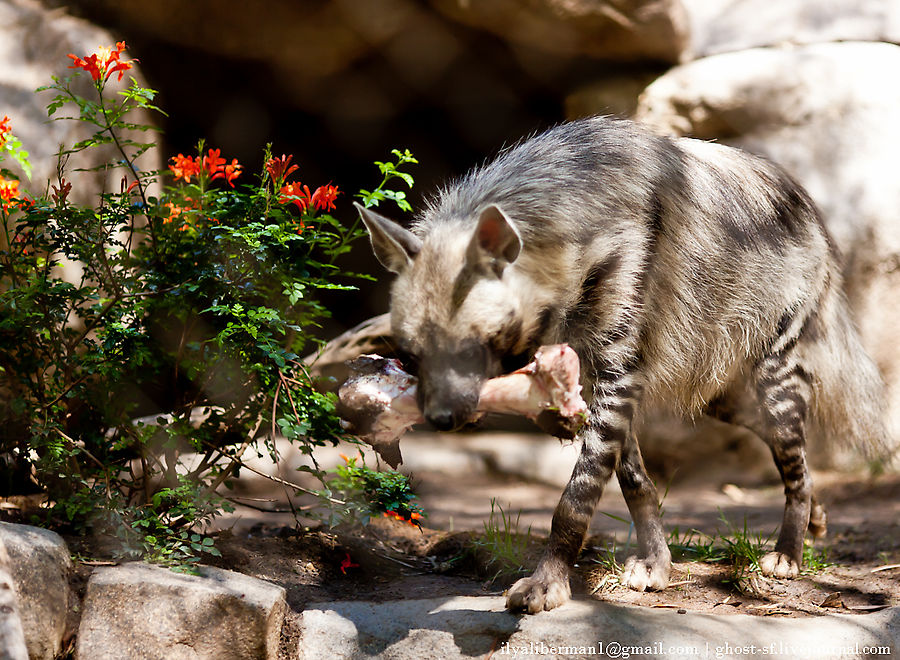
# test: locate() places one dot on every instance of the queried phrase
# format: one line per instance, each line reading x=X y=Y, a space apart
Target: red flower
x=323 y=198
x=185 y=167
x=231 y=172
x=175 y=212
x=413 y=517
x=105 y=62
x=297 y=194
x=125 y=187
x=347 y=563
x=4 y=129
x=9 y=191
x=213 y=163
x=280 y=169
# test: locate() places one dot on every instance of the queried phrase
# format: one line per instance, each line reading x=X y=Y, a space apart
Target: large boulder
x=628 y=31
x=311 y=40
x=732 y=25
x=142 y=611
x=828 y=114
x=12 y=634
x=39 y=565
x=310 y=47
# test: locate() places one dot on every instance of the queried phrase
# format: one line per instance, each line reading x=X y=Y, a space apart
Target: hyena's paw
x=779 y=565
x=534 y=594
x=646 y=574
x=818 y=521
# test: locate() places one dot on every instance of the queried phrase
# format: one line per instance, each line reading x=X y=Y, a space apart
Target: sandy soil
x=392 y=560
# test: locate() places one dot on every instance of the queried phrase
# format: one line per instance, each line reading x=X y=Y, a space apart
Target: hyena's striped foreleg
x=549 y=587
x=608 y=446
x=649 y=569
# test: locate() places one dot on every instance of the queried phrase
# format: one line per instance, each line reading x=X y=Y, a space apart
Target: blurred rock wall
x=810 y=84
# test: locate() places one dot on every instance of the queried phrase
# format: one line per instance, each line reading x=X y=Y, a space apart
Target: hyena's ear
x=496 y=241
x=394 y=246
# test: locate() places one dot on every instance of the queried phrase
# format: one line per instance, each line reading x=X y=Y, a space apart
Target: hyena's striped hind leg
x=775 y=405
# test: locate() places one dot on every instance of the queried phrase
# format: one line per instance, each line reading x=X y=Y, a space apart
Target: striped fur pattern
x=683 y=273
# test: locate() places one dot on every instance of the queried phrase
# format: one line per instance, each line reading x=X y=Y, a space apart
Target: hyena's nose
x=441 y=419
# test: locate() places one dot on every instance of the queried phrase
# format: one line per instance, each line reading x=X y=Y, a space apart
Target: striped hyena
x=683 y=273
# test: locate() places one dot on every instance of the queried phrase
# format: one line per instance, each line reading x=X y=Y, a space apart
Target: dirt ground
x=391 y=560
x=858 y=563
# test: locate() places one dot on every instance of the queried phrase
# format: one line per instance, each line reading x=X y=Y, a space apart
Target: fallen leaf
x=832 y=600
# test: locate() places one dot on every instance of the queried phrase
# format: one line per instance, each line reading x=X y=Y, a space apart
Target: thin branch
x=297 y=487
x=236 y=458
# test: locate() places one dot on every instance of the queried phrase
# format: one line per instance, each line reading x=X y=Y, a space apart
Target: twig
x=236 y=459
x=262 y=509
x=81 y=447
x=678 y=584
x=397 y=561
x=279 y=480
x=886 y=567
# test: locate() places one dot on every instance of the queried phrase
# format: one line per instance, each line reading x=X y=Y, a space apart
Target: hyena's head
x=455 y=312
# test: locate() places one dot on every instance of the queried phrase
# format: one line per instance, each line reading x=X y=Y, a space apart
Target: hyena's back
x=717 y=256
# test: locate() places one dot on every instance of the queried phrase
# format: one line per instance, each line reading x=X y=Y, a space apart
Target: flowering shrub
x=195 y=295
x=365 y=492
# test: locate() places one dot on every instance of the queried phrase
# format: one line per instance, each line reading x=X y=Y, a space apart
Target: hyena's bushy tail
x=849 y=404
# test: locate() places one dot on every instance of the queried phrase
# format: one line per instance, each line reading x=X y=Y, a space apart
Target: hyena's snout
x=449 y=397
x=448 y=409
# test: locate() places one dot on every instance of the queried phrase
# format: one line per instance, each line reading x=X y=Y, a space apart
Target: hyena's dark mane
x=532 y=179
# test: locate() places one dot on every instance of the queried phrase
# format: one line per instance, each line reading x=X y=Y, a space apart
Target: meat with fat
x=378 y=401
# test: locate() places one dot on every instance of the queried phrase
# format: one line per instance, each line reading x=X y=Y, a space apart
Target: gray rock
x=732 y=25
x=827 y=113
x=468 y=627
x=142 y=611
x=631 y=30
x=40 y=565
x=12 y=635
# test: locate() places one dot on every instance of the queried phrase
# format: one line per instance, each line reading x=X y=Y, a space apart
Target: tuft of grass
x=744 y=552
x=814 y=560
x=502 y=550
x=608 y=570
x=694 y=545
x=741 y=549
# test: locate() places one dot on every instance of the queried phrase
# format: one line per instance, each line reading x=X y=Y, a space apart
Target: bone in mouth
x=378 y=400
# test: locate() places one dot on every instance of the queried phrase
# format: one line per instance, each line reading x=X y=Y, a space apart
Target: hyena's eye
x=409 y=361
x=471 y=352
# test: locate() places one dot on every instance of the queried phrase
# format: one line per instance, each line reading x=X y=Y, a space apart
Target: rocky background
x=812 y=85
